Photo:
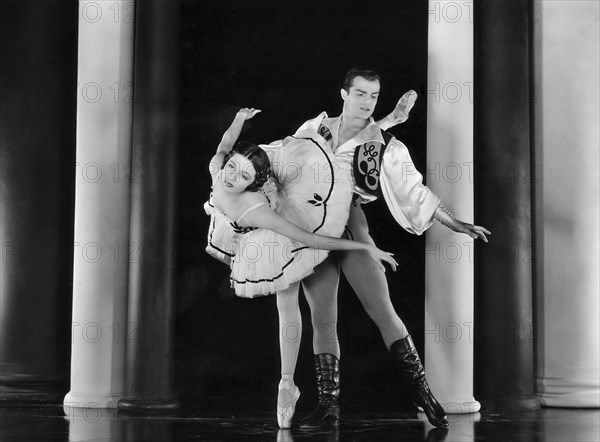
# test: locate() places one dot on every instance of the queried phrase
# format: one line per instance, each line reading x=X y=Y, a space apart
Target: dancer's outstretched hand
x=379 y=255
x=471 y=230
x=248 y=112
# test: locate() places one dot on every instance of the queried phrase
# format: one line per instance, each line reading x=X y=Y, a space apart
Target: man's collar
x=371 y=132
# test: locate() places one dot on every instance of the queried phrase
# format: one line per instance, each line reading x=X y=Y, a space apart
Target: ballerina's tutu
x=308 y=188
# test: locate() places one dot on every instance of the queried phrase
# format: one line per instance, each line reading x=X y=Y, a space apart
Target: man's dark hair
x=367 y=74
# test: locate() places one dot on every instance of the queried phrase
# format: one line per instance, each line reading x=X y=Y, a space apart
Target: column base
x=17 y=375
x=137 y=404
x=515 y=405
x=20 y=395
x=90 y=415
x=92 y=400
x=588 y=399
x=570 y=388
x=459 y=406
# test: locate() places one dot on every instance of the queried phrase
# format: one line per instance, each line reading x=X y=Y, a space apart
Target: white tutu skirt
x=308 y=188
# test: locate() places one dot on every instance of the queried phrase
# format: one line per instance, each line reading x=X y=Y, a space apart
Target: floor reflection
x=560 y=424
x=55 y=423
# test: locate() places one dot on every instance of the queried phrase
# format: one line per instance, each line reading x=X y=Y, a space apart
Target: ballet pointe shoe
x=407 y=359
x=284 y=435
x=287 y=397
x=327 y=371
x=403 y=107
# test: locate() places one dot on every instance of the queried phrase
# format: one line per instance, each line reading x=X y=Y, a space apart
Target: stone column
x=566 y=200
x=502 y=166
x=154 y=207
x=37 y=156
x=449 y=255
x=103 y=178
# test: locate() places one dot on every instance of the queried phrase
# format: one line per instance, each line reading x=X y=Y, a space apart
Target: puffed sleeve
x=309 y=129
x=410 y=202
x=269 y=148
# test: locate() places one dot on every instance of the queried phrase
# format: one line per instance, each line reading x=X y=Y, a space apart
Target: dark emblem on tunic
x=239 y=229
x=367 y=164
x=318 y=200
x=325 y=132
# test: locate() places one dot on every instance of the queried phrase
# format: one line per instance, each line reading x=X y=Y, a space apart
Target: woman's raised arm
x=230 y=137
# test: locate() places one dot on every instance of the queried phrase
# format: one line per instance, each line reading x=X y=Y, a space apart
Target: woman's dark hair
x=257 y=157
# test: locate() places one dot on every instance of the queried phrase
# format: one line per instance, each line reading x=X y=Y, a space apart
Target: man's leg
x=370 y=285
x=320 y=290
x=369 y=282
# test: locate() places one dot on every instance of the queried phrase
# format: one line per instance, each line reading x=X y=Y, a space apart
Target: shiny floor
x=55 y=423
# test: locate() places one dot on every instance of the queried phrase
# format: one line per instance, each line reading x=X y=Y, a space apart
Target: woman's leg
x=290 y=333
x=290 y=328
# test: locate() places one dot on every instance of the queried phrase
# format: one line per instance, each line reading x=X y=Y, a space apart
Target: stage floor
x=55 y=423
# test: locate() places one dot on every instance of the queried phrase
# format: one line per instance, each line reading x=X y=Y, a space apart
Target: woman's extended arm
x=230 y=137
x=266 y=218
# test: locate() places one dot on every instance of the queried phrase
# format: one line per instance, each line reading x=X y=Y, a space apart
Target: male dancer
x=380 y=165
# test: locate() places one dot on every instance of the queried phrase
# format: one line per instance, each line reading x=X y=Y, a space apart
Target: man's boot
x=327 y=371
x=406 y=358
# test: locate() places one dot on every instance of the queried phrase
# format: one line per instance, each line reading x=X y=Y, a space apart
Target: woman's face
x=238 y=174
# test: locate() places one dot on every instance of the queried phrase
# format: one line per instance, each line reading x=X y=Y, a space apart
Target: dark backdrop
x=288 y=58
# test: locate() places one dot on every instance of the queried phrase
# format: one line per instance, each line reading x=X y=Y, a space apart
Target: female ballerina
x=273 y=220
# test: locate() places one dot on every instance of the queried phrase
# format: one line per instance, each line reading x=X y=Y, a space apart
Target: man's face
x=360 y=101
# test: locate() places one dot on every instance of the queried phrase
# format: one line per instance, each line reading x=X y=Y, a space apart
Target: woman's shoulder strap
x=249 y=209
